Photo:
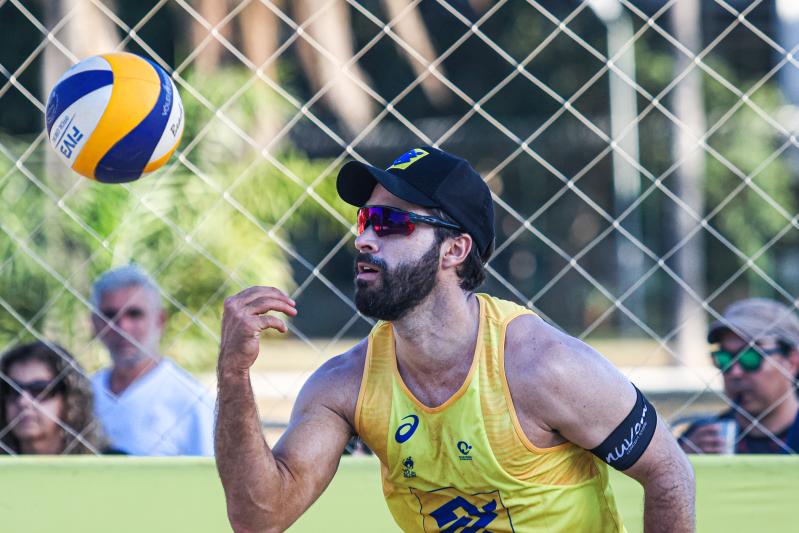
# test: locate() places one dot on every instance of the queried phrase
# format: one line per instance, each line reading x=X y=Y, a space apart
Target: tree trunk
x=88 y=32
x=259 y=35
x=630 y=261
x=212 y=11
x=332 y=31
x=689 y=260
x=411 y=29
x=259 y=39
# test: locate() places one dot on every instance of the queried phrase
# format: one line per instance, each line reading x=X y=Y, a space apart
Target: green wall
x=120 y=495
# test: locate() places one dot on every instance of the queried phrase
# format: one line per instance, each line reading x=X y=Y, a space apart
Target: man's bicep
x=593 y=398
x=562 y=385
x=309 y=451
x=311 y=447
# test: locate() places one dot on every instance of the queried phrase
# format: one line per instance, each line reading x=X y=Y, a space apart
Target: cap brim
x=715 y=331
x=357 y=180
x=747 y=330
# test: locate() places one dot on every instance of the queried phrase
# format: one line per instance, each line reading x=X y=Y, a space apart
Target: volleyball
x=114 y=117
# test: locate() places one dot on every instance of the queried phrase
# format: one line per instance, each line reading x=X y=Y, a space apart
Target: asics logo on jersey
x=406 y=430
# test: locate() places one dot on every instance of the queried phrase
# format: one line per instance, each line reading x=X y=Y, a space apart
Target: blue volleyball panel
x=126 y=160
x=72 y=89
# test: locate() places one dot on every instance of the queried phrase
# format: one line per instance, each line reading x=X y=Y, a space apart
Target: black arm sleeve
x=631 y=438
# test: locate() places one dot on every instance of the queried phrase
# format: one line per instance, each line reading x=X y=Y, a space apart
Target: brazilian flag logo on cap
x=408 y=158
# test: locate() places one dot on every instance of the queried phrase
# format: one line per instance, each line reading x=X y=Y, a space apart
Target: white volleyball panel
x=174 y=127
x=71 y=130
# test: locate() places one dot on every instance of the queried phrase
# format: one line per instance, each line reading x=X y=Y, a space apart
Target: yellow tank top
x=467 y=465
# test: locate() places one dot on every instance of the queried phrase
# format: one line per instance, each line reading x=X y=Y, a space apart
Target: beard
x=399 y=289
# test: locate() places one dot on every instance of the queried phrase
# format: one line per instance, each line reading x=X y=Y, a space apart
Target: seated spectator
x=146 y=403
x=757 y=342
x=45 y=403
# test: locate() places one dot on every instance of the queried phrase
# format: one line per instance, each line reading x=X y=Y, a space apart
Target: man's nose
x=735 y=370
x=124 y=321
x=367 y=242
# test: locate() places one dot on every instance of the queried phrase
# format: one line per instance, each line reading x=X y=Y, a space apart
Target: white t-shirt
x=164 y=412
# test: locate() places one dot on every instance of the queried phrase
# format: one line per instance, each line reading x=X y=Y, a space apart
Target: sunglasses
x=750 y=359
x=111 y=315
x=387 y=220
x=41 y=389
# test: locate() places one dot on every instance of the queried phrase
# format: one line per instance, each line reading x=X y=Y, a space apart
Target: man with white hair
x=146 y=403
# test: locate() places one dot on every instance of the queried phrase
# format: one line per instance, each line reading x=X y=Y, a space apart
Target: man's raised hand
x=244 y=319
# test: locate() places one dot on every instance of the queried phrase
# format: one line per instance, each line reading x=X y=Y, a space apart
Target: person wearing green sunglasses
x=756 y=351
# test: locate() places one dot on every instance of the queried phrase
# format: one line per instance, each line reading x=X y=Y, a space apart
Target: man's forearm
x=246 y=466
x=669 y=500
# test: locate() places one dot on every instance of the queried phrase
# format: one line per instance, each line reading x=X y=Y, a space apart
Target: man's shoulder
x=547 y=363
x=173 y=384
x=100 y=374
x=529 y=340
x=172 y=370
x=336 y=383
x=99 y=379
x=344 y=369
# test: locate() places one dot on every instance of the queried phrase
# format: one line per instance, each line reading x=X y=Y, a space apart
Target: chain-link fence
x=640 y=155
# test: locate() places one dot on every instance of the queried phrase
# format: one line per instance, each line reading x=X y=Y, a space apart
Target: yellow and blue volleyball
x=114 y=117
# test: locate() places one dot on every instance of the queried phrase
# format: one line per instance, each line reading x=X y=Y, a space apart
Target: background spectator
x=45 y=403
x=758 y=355
x=146 y=403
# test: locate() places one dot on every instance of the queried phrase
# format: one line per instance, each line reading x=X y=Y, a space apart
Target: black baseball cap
x=428 y=177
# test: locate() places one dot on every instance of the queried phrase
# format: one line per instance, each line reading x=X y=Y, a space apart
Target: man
x=146 y=403
x=757 y=340
x=480 y=413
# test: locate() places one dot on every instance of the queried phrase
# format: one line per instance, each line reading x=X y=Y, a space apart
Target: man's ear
x=793 y=360
x=456 y=250
x=98 y=324
x=162 y=318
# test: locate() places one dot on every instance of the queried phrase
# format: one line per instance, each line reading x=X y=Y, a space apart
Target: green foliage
x=747 y=141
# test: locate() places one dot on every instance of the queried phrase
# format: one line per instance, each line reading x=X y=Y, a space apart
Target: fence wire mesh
x=640 y=156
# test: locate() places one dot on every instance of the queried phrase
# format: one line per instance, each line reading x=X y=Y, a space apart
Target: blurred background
x=642 y=157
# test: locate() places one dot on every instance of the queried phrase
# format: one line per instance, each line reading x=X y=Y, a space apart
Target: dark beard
x=400 y=290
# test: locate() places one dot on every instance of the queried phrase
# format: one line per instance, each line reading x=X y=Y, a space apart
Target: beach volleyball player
x=484 y=417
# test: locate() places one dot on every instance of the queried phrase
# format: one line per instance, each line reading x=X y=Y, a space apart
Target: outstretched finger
x=272 y=322
x=258 y=291
x=265 y=304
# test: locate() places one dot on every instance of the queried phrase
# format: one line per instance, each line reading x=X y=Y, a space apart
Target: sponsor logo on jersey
x=405 y=431
x=448 y=509
x=464 y=448
x=407 y=468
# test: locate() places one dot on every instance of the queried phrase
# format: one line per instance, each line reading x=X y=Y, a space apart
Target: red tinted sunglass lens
x=367 y=216
x=394 y=222
x=384 y=221
x=362 y=220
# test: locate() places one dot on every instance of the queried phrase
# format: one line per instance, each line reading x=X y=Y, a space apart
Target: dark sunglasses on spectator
x=387 y=220
x=750 y=359
x=133 y=313
x=41 y=389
